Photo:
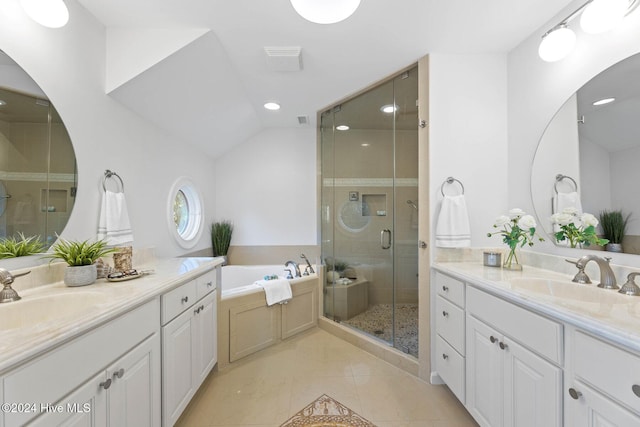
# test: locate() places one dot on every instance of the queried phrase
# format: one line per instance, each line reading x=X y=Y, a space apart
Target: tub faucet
x=607 y=278
x=295 y=266
x=309 y=268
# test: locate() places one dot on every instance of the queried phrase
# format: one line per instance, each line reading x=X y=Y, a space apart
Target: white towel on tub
x=276 y=290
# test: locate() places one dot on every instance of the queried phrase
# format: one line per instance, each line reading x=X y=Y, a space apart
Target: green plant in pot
x=80 y=258
x=12 y=247
x=614 y=227
x=221 y=232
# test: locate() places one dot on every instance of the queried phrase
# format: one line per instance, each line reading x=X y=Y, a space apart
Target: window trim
x=190 y=237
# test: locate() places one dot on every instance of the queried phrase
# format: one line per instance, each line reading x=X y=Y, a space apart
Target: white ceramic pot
x=332 y=276
x=81 y=275
x=613 y=247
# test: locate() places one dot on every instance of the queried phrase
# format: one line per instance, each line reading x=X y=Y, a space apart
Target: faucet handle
x=572 y=262
x=630 y=288
x=289 y=276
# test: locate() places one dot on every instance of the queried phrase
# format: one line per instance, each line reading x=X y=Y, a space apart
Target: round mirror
x=38 y=174
x=589 y=156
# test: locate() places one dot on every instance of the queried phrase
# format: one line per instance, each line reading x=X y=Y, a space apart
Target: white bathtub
x=239 y=279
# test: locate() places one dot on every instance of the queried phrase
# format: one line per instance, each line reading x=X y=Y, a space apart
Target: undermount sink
x=30 y=311
x=568 y=290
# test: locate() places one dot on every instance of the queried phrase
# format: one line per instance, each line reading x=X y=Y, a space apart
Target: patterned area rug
x=326 y=412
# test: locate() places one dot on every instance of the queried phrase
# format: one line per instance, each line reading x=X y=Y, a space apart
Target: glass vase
x=512 y=260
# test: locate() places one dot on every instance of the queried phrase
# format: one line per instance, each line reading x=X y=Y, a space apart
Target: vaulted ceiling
x=198 y=69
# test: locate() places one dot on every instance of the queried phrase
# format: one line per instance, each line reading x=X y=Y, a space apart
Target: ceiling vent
x=303 y=120
x=283 y=58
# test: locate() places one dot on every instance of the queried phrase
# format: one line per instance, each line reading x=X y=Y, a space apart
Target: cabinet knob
x=493 y=339
x=119 y=373
x=445 y=314
x=185 y=299
x=106 y=384
x=503 y=346
x=636 y=389
x=445 y=288
x=444 y=356
x=209 y=284
x=575 y=394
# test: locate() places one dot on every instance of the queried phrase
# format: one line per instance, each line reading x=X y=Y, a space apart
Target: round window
x=185 y=213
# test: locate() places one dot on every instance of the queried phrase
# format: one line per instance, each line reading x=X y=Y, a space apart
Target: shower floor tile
x=378 y=321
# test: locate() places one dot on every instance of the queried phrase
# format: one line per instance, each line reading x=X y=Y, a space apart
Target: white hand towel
x=567 y=200
x=452 y=229
x=114 y=226
x=276 y=291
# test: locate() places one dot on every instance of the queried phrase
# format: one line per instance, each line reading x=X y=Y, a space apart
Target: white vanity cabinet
x=512 y=356
x=450 y=330
x=109 y=376
x=189 y=342
x=603 y=383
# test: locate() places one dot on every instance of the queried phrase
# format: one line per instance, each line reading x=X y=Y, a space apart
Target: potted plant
x=221 y=232
x=11 y=247
x=614 y=226
x=335 y=269
x=80 y=258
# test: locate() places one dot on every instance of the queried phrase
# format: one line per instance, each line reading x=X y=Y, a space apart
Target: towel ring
x=451 y=180
x=110 y=174
x=560 y=177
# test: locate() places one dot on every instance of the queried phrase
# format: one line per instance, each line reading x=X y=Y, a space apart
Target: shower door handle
x=382 y=242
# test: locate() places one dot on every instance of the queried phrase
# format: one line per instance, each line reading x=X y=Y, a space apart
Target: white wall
x=468 y=136
x=625 y=175
x=69 y=65
x=595 y=171
x=267 y=188
x=537 y=90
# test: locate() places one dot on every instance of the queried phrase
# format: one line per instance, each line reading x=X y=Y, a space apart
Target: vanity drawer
x=610 y=369
x=542 y=335
x=450 y=323
x=450 y=367
x=206 y=284
x=450 y=288
x=178 y=300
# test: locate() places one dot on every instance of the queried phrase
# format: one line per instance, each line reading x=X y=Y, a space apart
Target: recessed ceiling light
x=604 y=101
x=342 y=127
x=2 y=102
x=365 y=144
x=389 y=108
x=273 y=106
x=50 y=13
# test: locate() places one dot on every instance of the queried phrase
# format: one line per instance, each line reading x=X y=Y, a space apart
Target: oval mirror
x=38 y=174
x=589 y=155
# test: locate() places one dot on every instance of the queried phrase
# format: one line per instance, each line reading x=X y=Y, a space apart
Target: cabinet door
x=134 y=395
x=533 y=388
x=300 y=313
x=206 y=343
x=177 y=366
x=84 y=407
x=591 y=409
x=484 y=373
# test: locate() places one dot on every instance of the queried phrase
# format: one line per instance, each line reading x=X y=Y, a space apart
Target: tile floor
x=266 y=388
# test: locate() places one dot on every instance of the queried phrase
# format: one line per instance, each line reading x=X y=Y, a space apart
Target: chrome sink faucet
x=295 y=266
x=607 y=278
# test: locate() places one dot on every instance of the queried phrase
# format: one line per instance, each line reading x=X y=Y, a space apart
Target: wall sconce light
x=597 y=16
x=325 y=11
x=49 y=13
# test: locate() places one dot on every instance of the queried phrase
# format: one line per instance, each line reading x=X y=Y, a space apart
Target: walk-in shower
x=369 y=221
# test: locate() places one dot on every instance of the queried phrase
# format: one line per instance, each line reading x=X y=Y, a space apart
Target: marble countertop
x=605 y=313
x=67 y=312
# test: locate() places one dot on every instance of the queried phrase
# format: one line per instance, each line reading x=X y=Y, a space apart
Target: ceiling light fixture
x=342 y=127
x=604 y=101
x=272 y=106
x=597 y=16
x=49 y=13
x=2 y=103
x=389 y=108
x=325 y=11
